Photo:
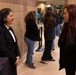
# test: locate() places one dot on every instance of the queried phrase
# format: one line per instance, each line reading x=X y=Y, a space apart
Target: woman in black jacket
x=31 y=35
x=49 y=35
x=67 y=41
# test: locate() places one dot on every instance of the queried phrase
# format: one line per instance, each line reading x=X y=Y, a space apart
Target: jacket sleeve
x=34 y=27
x=35 y=30
x=17 y=50
x=16 y=44
x=3 y=44
x=61 y=41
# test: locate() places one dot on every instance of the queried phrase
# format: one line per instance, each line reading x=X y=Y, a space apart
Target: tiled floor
x=43 y=69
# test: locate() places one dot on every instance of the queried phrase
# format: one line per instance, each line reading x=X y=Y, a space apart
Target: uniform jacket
x=8 y=48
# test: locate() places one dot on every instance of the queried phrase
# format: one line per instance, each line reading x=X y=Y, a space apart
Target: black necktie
x=10 y=28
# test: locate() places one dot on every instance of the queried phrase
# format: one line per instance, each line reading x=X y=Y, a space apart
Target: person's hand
x=17 y=61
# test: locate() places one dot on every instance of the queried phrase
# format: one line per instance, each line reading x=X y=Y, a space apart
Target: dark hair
x=49 y=8
x=58 y=12
x=48 y=18
x=71 y=24
x=71 y=9
x=30 y=15
x=3 y=14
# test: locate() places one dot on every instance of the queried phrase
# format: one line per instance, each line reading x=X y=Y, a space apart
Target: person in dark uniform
x=8 y=42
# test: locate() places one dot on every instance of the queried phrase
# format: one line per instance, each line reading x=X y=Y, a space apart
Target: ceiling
x=54 y=2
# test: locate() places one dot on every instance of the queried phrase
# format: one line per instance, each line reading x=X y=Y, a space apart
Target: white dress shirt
x=11 y=34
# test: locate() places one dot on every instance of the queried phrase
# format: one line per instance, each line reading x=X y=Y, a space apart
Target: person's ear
x=5 y=20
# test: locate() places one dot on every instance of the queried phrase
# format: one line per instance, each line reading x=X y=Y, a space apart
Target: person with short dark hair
x=8 y=42
x=67 y=41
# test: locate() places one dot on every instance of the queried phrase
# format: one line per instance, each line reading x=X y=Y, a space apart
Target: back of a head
x=30 y=15
x=48 y=17
x=48 y=14
x=49 y=8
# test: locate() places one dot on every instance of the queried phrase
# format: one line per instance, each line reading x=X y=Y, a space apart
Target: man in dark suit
x=8 y=42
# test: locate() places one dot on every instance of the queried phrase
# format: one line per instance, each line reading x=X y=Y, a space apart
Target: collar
x=6 y=26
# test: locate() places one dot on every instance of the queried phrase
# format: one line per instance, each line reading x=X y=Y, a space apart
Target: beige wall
x=20 y=9
x=71 y=1
x=42 y=6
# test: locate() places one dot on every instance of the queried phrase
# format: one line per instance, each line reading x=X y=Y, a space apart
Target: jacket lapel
x=7 y=31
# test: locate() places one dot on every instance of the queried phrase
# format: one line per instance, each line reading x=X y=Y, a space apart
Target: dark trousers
x=47 y=52
x=13 y=68
x=70 y=71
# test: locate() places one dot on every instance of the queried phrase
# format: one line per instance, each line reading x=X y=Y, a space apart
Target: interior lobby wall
x=20 y=9
x=71 y=2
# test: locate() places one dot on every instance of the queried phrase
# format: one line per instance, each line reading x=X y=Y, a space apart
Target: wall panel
x=20 y=9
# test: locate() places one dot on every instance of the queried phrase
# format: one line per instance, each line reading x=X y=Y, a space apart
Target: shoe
x=44 y=62
x=27 y=63
x=52 y=59
x=31 y=66
x=53 y=48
